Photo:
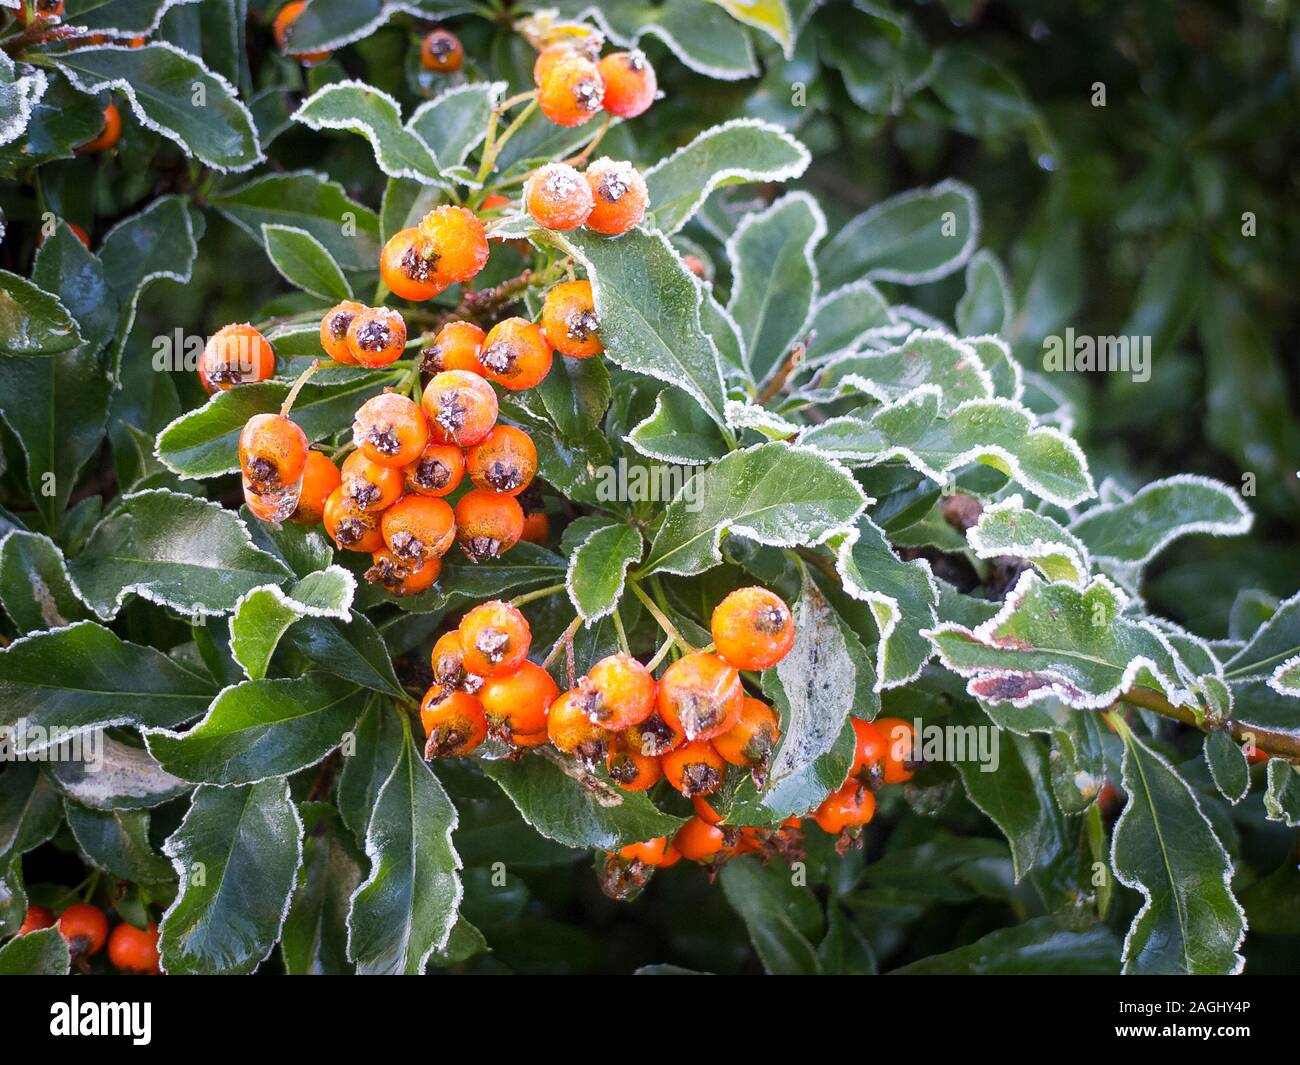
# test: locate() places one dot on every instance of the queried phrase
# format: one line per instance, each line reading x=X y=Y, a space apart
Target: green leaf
x=597 y=568
x=353 y=650
x=1282 y=794
x=841 y=321
x=1041 y=946
x=1052 y=640
x=705 y=39
x=1006 y=528
x=43 y=953
x=774 y=278
x=1008 y=376
x=117 y=841
x=1228 y=766
x=310 y=201
x=172 y=93
x=741 y=150
x=773 y=494
x=881 y=56
x=1136 y=530
x=260 y=729
x=985 y=306
x=379 y=740
x=262 y=615
x=649 y=311
x=678 y=431
x=205 y=442
x=455 y=121
x=30 y=811
x=34 y=587
x=926 y=358
x=912 y=238
x=993 y=432
x=84 y=677
x=315 y=936
x=577 y=812
x=32 y=321
x=773 y=17
x=304 y=261
x=985 y=99
x=575 y=394
x=1164 y=847
x=123 y=17
x=408 y=904
x=172 y=549
x=231 y=840
x=123 y=778
x=363 y=109
x=771 y=908
x=1271 y=653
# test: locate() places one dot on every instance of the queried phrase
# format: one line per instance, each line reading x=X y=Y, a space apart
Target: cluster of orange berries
x=574 y=83
x=85 y=929
x=609 y=198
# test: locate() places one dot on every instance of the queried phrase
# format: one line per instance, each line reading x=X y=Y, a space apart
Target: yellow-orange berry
x=547 y=58
x=558 y=197
x=109 y=134
x=401 y=576
x=697 y=840
x=505 y=460
x=571 y=731
x=700 y=695
x=273 y=458
x=418 y=528
x=570 y=322
x=442 y=52
x=390 y=429
x=620 y=195
x=494 y=640
x=334 y=331
x=515 y=354
x=571 y=89
x=537 y=527
x=283 y=30
x=752 y=628
x=437 y=472
x=630 y=83
x=524 y=740
x=518 y=702
x=453 y=721
x=622 y=692
x=369 y=485
x=319 y=479
x=349 y=528
x=694 y=769
x=461 y=407
x=455 y=240
x=235 y=355
x=751 y=739
x=448 y=662
x=407 y=273
x=657 y=853
x=488 y=524
x=456 y=347
x=376 y=336
x=900 y=756
x=630 y=769
x=851 y=806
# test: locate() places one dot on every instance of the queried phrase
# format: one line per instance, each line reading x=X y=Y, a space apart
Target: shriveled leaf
x=124 y=778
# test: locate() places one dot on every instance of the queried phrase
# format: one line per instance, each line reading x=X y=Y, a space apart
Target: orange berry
x=523 y=740
x=852 y=806
x=456 y=347
x=494 y=202
x=900 y=756
x=453 y=721
x=134 y=950
x=442 y=52
x=456 y=241
x=334 y=331
x=109 y=134
x=273 y=458
x=621 y=197
x=695 y=265
x=376 y=336
x=621 y=692
x=630 y=769
x=283 y=30
x=448 y=662
x=572 y=731
x=235 y=355
x=571 y=89
x=515 y=354
x=1254 y=756
x=319 y=479
x=654 y=736
x=407 y=273
x=695 y=768
x=349 y=528
x=630 y=83
x=85 y=928
x=400 y=576
x=488 y=524
x=751 y=739
x=547 y=58
x=658 y=853
x=494 y=639
x=519 y=701
x=504 y=461
x=558 y=197
x=705 y=811
x=461 y=407
x=418 y=528
x=869 y=745
x=752 y=628
x=368 y=485
x=700 y=695
x=697 y=840
x=36 y=918
x=437 y=472
x=390 y=429
x=570 y=322
x=537 y=527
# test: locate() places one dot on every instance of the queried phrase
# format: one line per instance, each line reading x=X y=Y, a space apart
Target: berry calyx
x=488 y=524
x=368 y=485
x=630 y=769
x=437 y=472
x=448 y=662
x=334 y=331
x=570 y=322
x=694 y=769
x=376 y=337
x=408 y=274
x=400 y=576
x=349 y=528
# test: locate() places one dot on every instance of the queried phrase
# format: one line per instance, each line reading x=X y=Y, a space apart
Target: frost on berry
x=492 y=644
x=418 y=267
x=374 y=336
x=587 y=94
x=559 y=182
x=499 y=356
x=504 y=476
x=452 y=413
x=339 y=322
x=431 y=473
x=408 y=546
x=431 y=359
x=770 y=619
x=613 y=185
x=481 y=548
x=582 y=325
x=383 y=439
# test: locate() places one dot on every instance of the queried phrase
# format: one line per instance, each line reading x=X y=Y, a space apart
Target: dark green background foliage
x=1122 y=218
